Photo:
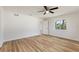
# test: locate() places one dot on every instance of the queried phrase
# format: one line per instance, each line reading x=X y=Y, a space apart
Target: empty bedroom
x=39 y=28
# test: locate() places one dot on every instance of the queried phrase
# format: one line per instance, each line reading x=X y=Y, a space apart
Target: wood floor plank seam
x=41 y=43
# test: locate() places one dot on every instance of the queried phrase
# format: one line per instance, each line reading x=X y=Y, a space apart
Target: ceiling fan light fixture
x=47 y=11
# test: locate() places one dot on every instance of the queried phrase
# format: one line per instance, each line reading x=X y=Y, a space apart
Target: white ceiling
x=34 y=10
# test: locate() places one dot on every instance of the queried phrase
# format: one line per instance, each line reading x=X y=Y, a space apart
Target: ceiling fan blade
x=54 y=8
x=46 y=8
x=51 y=12
x=40 y=11
x=44 y=13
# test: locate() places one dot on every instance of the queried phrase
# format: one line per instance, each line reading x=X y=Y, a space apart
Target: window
x=60 y=24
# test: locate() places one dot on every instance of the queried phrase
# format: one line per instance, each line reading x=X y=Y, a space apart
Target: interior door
x=45 y=27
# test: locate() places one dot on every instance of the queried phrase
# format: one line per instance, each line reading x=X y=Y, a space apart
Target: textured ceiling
x=34 y=10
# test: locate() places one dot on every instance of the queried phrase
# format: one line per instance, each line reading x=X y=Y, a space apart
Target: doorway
x=45 y=27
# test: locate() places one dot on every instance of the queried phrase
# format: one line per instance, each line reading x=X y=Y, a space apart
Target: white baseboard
x=21 y=37
x=66 y=38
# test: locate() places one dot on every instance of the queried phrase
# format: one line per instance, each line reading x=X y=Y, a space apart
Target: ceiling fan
x=47 y=10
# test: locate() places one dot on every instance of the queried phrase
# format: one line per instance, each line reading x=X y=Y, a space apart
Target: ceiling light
x=47 y=11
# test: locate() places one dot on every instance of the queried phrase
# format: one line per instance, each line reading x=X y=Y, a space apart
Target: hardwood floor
x=42 y=43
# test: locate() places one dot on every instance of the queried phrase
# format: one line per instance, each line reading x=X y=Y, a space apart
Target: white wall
x=1 y=26
x=20 y=26
x=72 y=21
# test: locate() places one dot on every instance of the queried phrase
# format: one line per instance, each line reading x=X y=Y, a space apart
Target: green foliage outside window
x=60 y=24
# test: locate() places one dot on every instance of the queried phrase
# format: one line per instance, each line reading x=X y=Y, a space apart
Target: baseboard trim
x=63 y=38
x=18 y=38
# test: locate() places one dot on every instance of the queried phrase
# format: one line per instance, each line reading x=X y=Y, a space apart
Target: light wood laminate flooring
x=41 y=43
